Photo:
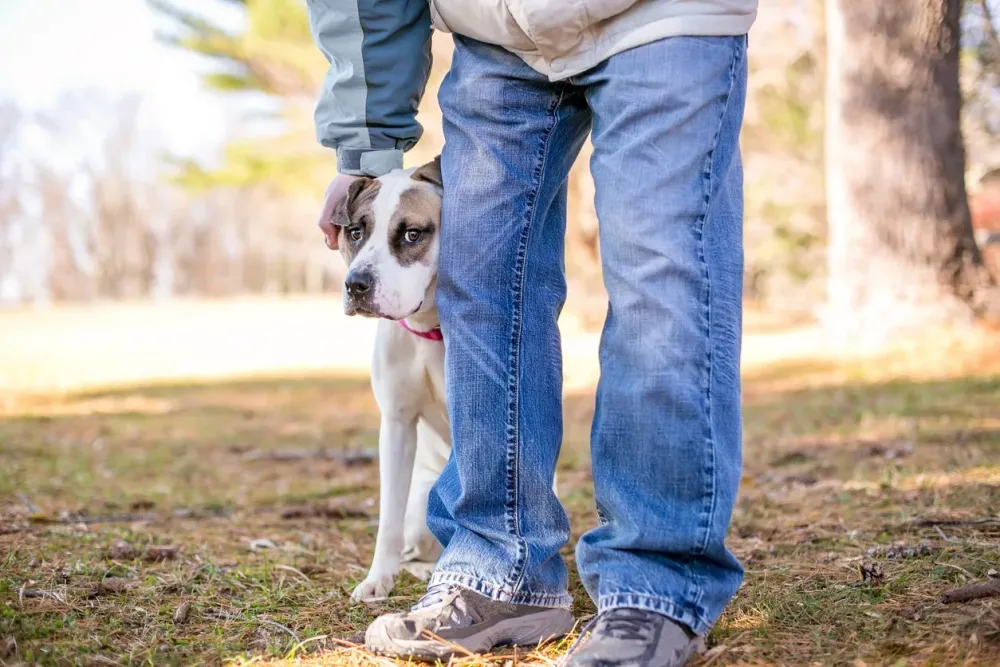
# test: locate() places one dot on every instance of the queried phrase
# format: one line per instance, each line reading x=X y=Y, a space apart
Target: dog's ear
x=340 y=217
x=430 y=172
x=342 y=211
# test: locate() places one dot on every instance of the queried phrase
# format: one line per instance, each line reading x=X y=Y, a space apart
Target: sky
x=50 y=47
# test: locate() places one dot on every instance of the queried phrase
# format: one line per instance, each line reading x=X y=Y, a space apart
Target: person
x=659 y=85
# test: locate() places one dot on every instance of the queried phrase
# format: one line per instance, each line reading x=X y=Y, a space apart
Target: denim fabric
x=666 y=439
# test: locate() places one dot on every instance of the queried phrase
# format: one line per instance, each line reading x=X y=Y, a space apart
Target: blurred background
x=151 y=150
x=176 y=371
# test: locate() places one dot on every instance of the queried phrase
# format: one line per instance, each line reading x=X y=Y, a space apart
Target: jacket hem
x=572 y=64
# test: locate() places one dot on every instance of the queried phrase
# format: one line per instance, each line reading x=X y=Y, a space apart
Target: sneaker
x=633 y=638
x=450 y=620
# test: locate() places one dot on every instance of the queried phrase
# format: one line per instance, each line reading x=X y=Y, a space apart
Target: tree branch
x=991 y=28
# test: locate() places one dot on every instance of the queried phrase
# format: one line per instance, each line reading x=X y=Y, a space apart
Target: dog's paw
x=374 y=588
x=420 y=569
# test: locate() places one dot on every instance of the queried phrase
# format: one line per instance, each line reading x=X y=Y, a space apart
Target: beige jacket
x=560 y=38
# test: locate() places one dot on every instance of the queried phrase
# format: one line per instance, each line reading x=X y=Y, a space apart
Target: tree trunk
x=902 y=254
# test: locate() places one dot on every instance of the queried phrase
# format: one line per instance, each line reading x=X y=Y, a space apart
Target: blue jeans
x=666 y=437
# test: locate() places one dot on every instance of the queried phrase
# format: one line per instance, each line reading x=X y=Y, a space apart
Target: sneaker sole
x=525 y=631
x=694 y=649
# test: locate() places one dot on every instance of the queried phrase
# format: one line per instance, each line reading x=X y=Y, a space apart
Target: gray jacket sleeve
x=380 y=57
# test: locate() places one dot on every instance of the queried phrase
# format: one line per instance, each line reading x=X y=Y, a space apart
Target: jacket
x=379 y=54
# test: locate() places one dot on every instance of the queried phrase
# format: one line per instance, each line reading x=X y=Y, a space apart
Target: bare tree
x=10 y=121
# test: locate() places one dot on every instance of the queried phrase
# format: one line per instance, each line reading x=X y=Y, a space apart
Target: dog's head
x=388 y=235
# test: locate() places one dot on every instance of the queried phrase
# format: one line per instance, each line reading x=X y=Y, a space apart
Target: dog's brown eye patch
x=409 y=243
x=413 y=225
x=359 y=212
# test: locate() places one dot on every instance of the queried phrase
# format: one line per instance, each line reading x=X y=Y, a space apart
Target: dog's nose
x=359 y=282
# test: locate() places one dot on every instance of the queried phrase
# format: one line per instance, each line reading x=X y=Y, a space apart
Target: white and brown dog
x=388 y=235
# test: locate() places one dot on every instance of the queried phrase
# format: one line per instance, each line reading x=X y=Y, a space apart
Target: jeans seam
x=514 y=354
x=707 y=295
x=661 y=605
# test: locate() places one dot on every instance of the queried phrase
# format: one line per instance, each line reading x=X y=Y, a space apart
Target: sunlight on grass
x=249 y=486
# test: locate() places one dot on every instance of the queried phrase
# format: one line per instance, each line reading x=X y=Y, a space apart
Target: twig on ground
x=949 y=540
x=131 y=518
x=456 y=647
x=31 y=593
x=972 y=592
x=349 y=458
x=926 y=523
x=24 y=592
x=712 y=654
x=300 y=645
x=961 y=569
x=289 y=568
x=345 y=643
x=971 y=543
x=324 y=512
x=281 y=627
x=224 y=614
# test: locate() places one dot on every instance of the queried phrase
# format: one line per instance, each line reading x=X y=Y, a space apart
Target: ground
x=177 y=487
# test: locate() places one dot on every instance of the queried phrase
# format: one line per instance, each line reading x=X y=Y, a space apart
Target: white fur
x=414 y=445
x=408 y=381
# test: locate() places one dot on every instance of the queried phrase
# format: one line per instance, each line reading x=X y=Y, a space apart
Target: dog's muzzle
x=360 y=287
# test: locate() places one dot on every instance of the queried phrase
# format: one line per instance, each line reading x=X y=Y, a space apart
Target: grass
x=870 y=487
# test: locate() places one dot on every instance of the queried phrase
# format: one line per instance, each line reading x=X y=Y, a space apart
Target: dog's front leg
x=397 y=446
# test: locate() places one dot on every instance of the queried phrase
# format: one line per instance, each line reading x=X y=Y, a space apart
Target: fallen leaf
x=8 y=647
x=111 y=585
x=121 y=550
x=181 y=614
x=163 y=552
x=261 y=543
x=871 y=573
x=9 y=528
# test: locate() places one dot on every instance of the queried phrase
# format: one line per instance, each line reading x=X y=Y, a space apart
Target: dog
x=387 y=232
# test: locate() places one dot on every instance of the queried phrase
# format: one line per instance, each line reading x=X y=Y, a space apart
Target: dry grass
x=138 y=435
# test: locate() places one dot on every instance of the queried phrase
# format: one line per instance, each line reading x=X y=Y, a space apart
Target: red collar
x=433 y=334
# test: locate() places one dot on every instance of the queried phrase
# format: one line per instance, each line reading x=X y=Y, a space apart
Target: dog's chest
x=430 y=360
x=408 y=373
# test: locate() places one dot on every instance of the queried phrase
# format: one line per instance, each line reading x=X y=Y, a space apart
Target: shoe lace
x=438 y=594
x=627 y=624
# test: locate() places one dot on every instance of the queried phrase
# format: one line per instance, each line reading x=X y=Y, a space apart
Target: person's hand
x=335 y=193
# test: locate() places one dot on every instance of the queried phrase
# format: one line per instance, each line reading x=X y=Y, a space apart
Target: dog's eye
x=355 y=233
x=413 y=235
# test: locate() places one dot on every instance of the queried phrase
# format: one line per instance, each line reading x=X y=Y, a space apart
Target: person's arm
x=380 y=57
